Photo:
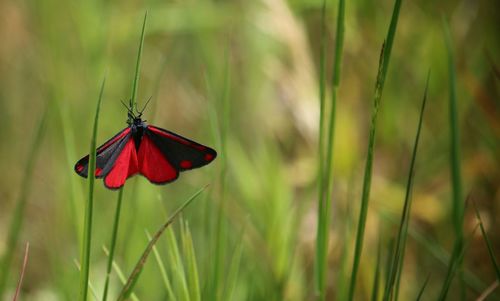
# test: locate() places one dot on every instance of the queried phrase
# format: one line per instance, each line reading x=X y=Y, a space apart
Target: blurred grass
x=18 y=216
x=55 y=50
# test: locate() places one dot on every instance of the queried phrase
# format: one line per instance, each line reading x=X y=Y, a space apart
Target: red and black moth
x=144 y=149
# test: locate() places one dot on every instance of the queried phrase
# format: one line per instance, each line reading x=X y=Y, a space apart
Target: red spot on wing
x=98 y=171
x=79 y=167
x=153 y=164
x=125 y=166
x=186 y=164
x=208 y=157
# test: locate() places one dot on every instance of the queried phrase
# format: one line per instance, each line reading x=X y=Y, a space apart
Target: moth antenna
x=145 y=105
x=126 y=107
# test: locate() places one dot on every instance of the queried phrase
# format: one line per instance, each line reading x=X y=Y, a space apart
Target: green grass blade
x=220 y=227
x=455 y=264
x=133 y=104
x=113 y=243
x=234 y=267
x=134 y=276
x=421 y=292
x=133 y=98
x=163 y=272
x=488 y=243
x=325 y=175
x=192 y=267
x=87 y=229
x=382 y=71
x=119 y=273
x=376 y=278
x=397 y=259
x=18 y=214
x=177 y=266
x=456 y=182
x=320 y=235
x=93 y=291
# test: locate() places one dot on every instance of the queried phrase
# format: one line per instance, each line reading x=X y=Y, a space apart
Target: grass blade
x=320 y=235
x=133 y=98
x=192 y=270
x=177 y=266
x=113 y=243
x=376 y=278
x=456 y=182
x=397 y=259
x=23 y=269
x=325 y=178
x=455 y=264
x=119 y=273
x=379 y=87
x=220 y=227
x=91 y=287
x=488 y=291
x=134 y=276
x=421 y=292
x=488 y=243
x=133 y=103
x=18 y=214
x=163 y=271
x=87 y=229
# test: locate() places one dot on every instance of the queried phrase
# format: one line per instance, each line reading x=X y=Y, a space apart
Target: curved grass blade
x=379 y=87
x=397 y=259
x=134 y=276
x=18 y=214
x=23 y=269
x=87 y=229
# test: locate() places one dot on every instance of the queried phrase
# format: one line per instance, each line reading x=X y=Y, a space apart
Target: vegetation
x=346 y=170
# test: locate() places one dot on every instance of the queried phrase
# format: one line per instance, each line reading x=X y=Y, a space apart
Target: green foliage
x=293 y=174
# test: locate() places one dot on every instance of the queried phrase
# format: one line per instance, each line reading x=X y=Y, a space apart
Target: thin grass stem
x=113 y=243
x=23 y=269
x=379 y=87
x=326 y=174
x=89 y=206
x=397 y=259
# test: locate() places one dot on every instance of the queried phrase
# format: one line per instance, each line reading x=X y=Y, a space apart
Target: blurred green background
x=263 y=57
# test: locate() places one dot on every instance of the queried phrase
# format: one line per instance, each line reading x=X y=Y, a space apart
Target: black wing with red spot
x=181 y=153
x=106 y=155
